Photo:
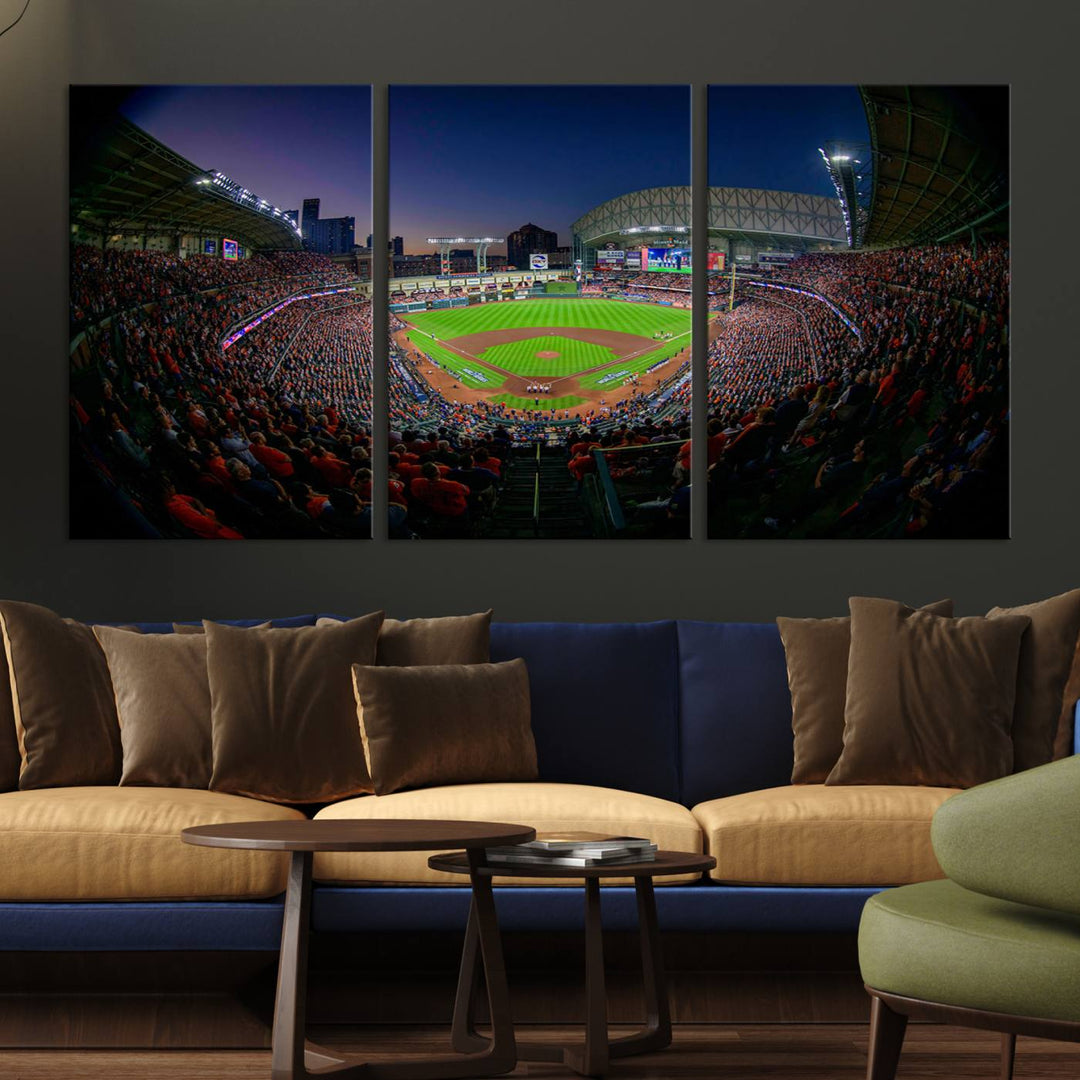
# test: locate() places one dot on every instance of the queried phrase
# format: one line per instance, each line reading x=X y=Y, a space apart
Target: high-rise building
x=333 y=236
x=311 y=215
x=396 y=246
x=327 y=236
x=530 y=239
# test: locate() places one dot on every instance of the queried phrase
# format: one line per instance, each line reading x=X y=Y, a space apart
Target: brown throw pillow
x=445 y=724
x=816 y=651
x=453 y=639
x=62 y=698
x=1046 y=656
x=929 y=699
x=282 y=710
x=198 y=628
x=9 y=739
x=163 y=702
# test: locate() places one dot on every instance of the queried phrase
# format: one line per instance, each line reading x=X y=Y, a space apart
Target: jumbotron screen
x=673 y=260
x=677 y=260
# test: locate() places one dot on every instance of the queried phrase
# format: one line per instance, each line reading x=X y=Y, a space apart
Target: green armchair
x=997 y=944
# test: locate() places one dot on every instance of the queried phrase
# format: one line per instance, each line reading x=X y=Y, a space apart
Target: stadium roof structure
x=784 y=219
x=124 y=181
x=940 y=161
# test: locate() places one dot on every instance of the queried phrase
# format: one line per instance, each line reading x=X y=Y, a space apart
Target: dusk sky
x=284 y=143
x=483 y=160
x=768 y=136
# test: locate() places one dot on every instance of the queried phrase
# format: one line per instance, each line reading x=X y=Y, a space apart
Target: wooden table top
x=666 y=862
x=385 y=834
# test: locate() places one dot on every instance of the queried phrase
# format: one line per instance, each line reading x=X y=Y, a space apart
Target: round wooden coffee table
x=591 y=1058
x=291 y=1057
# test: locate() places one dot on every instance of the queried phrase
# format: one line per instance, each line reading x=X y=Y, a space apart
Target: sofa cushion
x=163 y=703
x=62 y=697
x=811 y=834
x=605 y=700
x=929 y=699
x=736 y=709
x=939 y=942
x=817 y=663
x=1046 y=656
x=446 y=639
x=546 y=807
x=113 y=843
x=10 y=761
x=283 y=714
x=440 y=724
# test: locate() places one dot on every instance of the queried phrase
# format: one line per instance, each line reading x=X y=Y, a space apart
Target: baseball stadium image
x=540 y=376
x=858 y=372
x=220 y=334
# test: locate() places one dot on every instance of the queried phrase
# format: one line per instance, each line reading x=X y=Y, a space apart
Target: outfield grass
x=547 y=404
x=643 y=319
x=520 y=357
x=634 y=366
x=450 y=361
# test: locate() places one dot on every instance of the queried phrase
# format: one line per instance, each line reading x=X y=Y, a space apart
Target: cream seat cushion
x=810 y=834
x=546 y=807
x=123 y=843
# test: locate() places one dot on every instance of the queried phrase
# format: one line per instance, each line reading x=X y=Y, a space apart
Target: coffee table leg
x=293 y=1059
x=657 y=1031
x=592 y=1059
x=463 y=1034
x=287 y=1057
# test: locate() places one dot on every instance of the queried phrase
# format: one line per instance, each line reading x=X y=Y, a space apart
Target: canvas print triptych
x=541 y=346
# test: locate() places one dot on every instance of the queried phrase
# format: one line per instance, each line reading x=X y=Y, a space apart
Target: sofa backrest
x=687 y=711
x=605 y=701
x=735 y=715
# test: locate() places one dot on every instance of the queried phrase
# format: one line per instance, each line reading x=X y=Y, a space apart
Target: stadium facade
x=743 y=222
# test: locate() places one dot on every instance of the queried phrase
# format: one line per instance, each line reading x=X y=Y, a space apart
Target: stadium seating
x=863 y=395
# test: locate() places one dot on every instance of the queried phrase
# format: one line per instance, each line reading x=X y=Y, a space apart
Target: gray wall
x=178 y=41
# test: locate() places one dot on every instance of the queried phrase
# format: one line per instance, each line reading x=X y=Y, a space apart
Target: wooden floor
x=723 y=1052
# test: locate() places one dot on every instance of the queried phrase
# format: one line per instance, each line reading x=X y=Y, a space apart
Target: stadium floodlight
x=853 y=182
x=465 y=239
x=634 y=229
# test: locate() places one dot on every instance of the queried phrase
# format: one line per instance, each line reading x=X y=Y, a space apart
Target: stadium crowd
x=109 y=281
x=173 y=436
x=898 y=428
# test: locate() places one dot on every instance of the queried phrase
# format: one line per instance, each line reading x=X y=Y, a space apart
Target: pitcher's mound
x=547 y=354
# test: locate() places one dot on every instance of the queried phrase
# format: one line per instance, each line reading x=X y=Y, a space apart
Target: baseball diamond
x=583 y=352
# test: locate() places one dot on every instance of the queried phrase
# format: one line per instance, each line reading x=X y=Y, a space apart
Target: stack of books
x=575 y=849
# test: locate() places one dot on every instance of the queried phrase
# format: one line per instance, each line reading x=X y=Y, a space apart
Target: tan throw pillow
x=929 y=699
x=445 y=724
x=816 y=651
x=62 y=698
x=163 y=702
x=453 y=639
x=1046 y=656
x=282 y=710
x=9 y=739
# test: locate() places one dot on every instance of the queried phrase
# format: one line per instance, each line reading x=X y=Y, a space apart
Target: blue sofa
x=685 y=712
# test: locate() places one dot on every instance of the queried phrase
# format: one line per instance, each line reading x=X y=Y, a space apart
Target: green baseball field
x=580 y=350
